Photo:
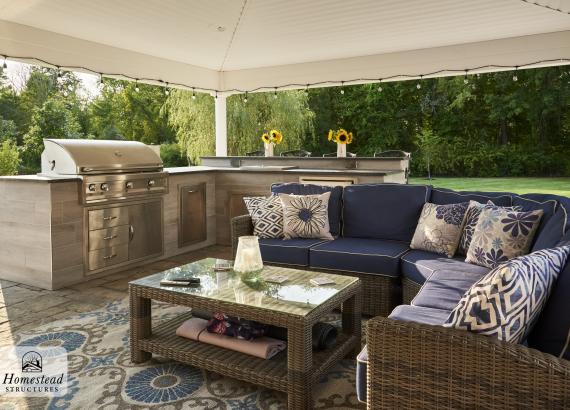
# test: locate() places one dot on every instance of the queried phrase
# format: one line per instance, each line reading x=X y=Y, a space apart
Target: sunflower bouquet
x=341 y=136
x=272 y=137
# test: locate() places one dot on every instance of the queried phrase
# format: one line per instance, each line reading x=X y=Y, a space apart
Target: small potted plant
x=341 y=138
x=270 y=139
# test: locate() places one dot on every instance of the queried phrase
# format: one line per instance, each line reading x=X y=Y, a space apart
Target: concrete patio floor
x=26 y=307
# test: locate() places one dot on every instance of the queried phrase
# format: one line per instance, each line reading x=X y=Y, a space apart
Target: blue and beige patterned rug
x=102 y=376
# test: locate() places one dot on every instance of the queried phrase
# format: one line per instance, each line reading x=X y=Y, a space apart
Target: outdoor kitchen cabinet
x=193 y=218
x=124 y=233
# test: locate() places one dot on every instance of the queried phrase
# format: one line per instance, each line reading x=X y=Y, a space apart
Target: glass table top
x=297 y=295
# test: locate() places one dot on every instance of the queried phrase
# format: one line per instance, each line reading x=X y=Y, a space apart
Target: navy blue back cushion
x=383 y=211
x=335 y=200
x=553 y=230
x=531 y=202
x=552 y=331
x=443 y=196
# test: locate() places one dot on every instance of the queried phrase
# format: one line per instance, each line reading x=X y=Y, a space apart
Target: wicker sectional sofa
x=410 y=360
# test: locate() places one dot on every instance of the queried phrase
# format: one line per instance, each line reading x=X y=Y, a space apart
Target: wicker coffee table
x=296 y=305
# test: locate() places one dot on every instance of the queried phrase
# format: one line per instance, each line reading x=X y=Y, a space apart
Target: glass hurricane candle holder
x=248 y=255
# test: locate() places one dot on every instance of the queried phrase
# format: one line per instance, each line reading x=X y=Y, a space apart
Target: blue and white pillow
x=266 y=216
x=507 y=301
x=306 y=216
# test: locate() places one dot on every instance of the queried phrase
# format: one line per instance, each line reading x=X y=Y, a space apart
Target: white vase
x=268 y=149
x=340 y=150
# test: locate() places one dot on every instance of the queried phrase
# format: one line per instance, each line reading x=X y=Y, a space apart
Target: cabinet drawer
x=102 y=258
x=105 y=238
x=106 y=218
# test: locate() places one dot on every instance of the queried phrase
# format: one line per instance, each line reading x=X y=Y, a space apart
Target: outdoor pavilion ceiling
x=239 y=45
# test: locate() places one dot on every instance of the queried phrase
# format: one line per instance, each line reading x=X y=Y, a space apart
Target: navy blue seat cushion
x=383 y=211
x=405 y=313
x=420 y=265
x=335 y=200
x=287 y=251
x=443 y=196
x=446 y=287
x=551 y=333
x=377 y=256
x=553 y=230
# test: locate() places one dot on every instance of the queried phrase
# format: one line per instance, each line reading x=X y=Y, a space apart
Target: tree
x=9 y=158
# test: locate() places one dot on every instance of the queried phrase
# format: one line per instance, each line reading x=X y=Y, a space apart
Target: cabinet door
x=145 y=225
x=193 y=225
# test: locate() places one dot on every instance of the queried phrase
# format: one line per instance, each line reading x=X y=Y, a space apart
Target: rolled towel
x=263 y=347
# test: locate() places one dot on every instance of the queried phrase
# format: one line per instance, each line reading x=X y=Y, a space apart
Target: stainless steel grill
x=110 y=170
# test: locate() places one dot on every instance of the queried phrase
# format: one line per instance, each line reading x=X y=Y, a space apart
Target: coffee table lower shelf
x=271 y=373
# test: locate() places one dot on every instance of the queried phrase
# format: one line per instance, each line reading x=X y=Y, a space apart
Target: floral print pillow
x=502 y=234
x=306 y=216
x=471 y=219
x=439 y=228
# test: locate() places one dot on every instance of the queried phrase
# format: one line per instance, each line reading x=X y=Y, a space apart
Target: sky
x=18 y=73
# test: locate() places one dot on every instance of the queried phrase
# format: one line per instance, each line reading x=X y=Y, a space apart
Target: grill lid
x=80 y=156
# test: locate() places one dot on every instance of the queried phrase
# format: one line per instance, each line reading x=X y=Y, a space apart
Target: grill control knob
x=92 y=187
x=104 y=187
x=151 y=183
x=130 y=185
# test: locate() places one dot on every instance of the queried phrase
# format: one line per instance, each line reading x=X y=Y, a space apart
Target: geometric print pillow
x=439 y=228
x=501 y=235
x=471 y=219
x=306 y=216
x=507 y=301
x=266 y=216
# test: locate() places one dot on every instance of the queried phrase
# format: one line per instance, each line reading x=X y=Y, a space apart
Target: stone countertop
x=199 y=169
x=279 y=158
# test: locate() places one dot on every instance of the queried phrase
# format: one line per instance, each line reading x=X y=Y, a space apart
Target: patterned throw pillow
x=507 y=301
x=266 y=215
x=501 y=235
x=306 y=216
x=439 y=228
x=471 y=219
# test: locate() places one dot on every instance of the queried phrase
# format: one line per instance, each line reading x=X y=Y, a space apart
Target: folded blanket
x=263 y=347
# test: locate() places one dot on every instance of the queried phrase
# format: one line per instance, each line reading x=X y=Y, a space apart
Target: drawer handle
x=191 y=191
x=108 y=238
x=109 y=218
x=109 y=256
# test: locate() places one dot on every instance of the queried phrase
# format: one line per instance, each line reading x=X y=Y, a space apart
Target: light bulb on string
x=275 y=93
x=342 y=87
x=59 y=74
x=418 y=85
x=307 y=90
x=245 y=98
x=465 y=79
x=4 y=64
x=167 y=90
x=137 y=89
x=515 y=77
x=380 y=86
x=193 y=93
x=216 y=96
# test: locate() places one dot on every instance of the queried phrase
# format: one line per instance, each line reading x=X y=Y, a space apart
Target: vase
x=248 y=255
x=268 y=149
x=340 y=150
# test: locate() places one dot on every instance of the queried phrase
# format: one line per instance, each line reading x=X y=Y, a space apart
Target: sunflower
x=349 y=138
x=341 y=137
x=330 y=137
x=265 y=138
x=276 y=136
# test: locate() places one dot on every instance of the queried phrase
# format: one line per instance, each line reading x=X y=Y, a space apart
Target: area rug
x=102 y=376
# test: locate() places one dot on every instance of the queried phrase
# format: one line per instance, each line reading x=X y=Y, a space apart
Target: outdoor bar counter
x=44 y=231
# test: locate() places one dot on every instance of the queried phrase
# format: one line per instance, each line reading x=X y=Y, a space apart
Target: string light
x=546 y=6
x=216 y=96
x=167 y=90
x=275 y=93
x=245 y=98
x=4 y=64
x=342 y=87
x=418 y=85
x=380 y=86
x=137 y=89
x=193 y=93
x=515 y=77
x=465 y=79
x=395 y=77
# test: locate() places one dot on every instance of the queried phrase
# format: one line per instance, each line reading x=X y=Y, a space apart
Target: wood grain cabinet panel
x=193 y=221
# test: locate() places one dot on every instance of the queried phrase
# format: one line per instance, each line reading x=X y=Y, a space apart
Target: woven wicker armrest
x=240 y=226
x=417 y=366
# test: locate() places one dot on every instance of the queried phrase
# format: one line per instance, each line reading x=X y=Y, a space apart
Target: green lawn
x=558 y=186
